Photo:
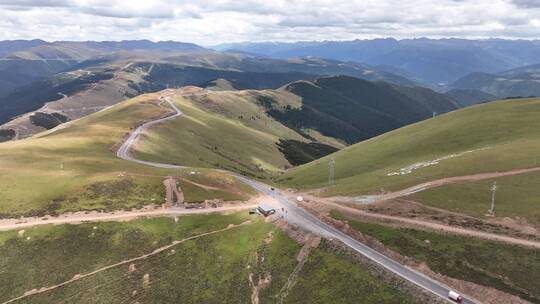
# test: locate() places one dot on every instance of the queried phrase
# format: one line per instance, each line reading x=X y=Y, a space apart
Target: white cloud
x=218 y=21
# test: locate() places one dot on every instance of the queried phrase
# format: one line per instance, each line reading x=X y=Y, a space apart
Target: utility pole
x=331 y=165
x=494 y=191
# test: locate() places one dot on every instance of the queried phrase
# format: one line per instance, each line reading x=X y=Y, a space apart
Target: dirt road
x=435 y=183
x=435 y=226
x=82 y=217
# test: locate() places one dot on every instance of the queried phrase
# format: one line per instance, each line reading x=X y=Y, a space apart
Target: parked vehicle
x=455 y=296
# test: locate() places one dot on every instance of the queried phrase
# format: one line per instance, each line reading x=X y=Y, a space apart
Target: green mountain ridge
x=497 y=136
x=353 y=109
x=519 y=82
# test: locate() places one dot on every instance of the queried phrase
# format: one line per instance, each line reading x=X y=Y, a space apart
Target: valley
x=157 y=172
x=200 y=108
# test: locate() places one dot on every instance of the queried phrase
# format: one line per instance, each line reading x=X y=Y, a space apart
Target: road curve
x=300 y=217
x=123 y=151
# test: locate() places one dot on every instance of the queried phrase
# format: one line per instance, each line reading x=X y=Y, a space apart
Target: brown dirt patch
x=172 y=190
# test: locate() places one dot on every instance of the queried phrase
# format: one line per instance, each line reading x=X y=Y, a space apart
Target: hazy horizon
x=211 y=23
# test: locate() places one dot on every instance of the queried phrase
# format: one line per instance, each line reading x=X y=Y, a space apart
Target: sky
x=212 y=22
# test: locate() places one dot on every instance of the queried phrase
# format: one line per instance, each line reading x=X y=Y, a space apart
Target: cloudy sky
x=211 y=22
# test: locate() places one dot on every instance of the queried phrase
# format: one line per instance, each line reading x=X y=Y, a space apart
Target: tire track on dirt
x=436 y=183
x=437 y=226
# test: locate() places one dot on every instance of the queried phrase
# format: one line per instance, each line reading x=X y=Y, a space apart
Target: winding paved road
x=300 y=217
x=123 y=151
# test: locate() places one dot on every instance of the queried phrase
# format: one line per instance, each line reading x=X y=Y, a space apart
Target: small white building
x=266 y=210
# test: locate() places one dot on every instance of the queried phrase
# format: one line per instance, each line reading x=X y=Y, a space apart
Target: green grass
x=210 y=269
x=56 y=171
x=517 y=196
x=56 y=253
x=226 y=130
x=512 y=269
x=334 y=278
x=509 y=130
x=280 y=261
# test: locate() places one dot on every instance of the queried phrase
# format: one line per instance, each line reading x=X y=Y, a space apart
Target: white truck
x=455 y=296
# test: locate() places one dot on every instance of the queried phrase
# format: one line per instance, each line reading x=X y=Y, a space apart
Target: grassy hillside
x=511 y=269
x=179 y=75
x=261 y=133
x=522 y=82
x=498 y=136
x=74 y=167
x=32 y=97
x=516 y=197
x=469 y=97
x=226 y=130
x=186 y=273
x=352 y=109
x=36 y=61
x=16 y=72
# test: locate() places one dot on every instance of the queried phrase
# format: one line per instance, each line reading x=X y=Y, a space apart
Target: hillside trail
x=311 y=242
x=433 y=184
x=432 y=225
x=159 y=250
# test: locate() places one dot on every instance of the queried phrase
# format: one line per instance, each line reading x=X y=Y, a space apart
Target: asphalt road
x=300 y=217
x=123 y=151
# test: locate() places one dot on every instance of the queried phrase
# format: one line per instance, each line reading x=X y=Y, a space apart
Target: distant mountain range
x=82 y=80
x=74 y=79
x=11 y=46
x=341 y=107
x=39 y=49
x=22 y=62
x=108 y=72
x=434 y=62
x=469 y=97
x=520 y=82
